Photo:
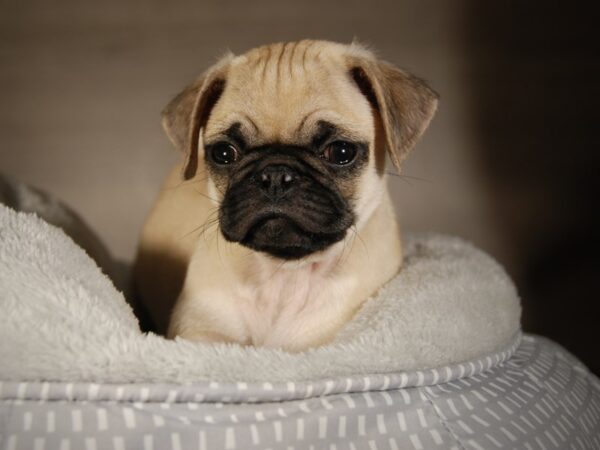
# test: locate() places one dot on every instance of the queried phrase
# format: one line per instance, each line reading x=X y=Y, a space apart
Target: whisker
x=277 y=269
x=351 y=244
x=191 y=181
x=339 y=259
x=203 y=228
x=207 y=196
x=210 y=221
x=357 y=234
x=183 y=183
x=408 y=178
x=214 y=235
x=218 y=248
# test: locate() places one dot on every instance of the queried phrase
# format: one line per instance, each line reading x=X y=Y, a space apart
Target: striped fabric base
x=533 y=395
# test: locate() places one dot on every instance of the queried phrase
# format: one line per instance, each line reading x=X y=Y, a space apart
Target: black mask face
x=282 y=200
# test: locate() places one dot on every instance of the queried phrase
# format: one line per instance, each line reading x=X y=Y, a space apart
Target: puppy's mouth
x=291 y=232
x=282 y=237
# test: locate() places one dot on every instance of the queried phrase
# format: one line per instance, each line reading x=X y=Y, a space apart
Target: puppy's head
x=294 y=137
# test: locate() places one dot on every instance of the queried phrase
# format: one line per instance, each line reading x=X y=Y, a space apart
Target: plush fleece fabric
x=22 y=197
x=62 y=319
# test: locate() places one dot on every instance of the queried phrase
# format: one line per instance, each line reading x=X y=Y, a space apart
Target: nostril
x=276 y=180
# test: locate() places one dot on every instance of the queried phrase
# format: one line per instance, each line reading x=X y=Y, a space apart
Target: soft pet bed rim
x=255 y=392
x=61 y=319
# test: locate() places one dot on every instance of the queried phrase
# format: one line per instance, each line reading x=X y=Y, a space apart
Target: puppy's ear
x=404 y=103
x=188 y=112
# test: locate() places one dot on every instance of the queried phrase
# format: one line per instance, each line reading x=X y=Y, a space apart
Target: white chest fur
x=233 y=294
x=292 y=303
x=269 y=303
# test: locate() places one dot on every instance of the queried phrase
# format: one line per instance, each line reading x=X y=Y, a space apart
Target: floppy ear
x=404 y=102
x=188 y=112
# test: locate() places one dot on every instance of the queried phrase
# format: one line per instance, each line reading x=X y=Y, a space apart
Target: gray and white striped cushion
x=533 y=395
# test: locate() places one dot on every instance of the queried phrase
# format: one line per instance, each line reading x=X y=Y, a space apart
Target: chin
x=282 y=238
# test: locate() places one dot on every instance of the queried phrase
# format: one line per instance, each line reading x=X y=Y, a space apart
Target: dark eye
x=340 y=153
x=223 y=153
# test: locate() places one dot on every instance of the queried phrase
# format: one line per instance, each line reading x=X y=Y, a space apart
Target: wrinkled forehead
x=284 y=94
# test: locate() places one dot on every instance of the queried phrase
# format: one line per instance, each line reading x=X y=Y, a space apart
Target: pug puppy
x=278 y=225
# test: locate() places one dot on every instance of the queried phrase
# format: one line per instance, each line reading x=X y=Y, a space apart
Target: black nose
x=276 y=180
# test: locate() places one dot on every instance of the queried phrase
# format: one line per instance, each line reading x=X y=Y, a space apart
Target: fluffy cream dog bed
x=434 y=360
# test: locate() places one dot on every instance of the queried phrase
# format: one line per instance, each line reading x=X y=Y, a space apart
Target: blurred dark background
x=535 y=80
x=510 y=162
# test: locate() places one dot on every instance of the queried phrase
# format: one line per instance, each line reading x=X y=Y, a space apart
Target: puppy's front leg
x=209 y=315
x=196 y=335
